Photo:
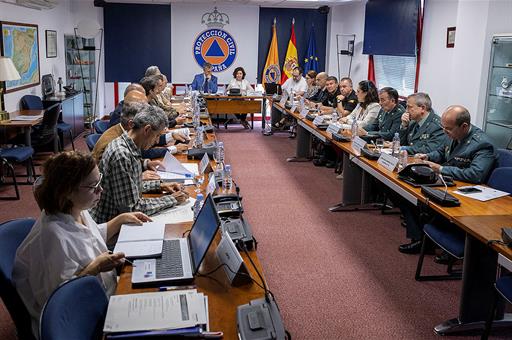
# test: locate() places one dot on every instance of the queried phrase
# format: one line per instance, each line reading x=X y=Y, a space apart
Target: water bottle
x=219 y=153
x=268 y=126
x=395 y=146
x=198 y=204
x=402 y=159
x=226 y=178
x=354 y=129
x=199 y=137
x=196 y=118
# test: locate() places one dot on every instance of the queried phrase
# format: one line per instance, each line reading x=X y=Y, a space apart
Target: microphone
x=445 y=186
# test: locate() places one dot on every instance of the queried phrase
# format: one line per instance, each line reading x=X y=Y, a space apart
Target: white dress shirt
x=295 y=86
x=243 y=85
x=56 y=250
x=364 y=117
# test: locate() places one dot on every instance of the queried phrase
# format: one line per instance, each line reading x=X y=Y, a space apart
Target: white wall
x=62 y=19
x=436 y=59
x=347 y=19
x=243 y=26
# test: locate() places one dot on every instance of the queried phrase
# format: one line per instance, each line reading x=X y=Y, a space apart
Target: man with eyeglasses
x=205 y=82
x=121 y=167
x=469 y=156
x=297 y=84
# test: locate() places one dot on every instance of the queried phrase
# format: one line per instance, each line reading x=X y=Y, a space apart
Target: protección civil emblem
x=215 y=45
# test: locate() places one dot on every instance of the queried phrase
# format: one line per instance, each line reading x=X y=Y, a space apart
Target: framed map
x=20 y=42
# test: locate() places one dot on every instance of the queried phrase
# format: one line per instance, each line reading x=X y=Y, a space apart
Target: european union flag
x=311 y=59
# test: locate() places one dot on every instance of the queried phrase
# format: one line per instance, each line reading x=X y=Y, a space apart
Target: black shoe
x=443 y=258
x=410 y=248
x=330 y=165
x=403 y=224
x=319 y=162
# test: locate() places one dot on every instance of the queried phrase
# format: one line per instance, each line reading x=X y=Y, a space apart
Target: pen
x=168 y=288
x=126 y=260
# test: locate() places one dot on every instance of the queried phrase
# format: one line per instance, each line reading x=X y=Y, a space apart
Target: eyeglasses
x=96 y=187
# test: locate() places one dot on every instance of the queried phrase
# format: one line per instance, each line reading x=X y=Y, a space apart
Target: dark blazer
x=198 y=83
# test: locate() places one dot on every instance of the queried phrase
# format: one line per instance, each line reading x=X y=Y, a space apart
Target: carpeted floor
x=334 y=275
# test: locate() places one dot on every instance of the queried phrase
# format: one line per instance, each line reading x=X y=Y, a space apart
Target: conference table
x=480 y=220
x=223 y=105
x=30 y=119
x=223 y=299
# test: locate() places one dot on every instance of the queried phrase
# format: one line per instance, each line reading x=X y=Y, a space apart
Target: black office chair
x=31 y=102
x=12 y=234
x=46 y=132
x=503 y=290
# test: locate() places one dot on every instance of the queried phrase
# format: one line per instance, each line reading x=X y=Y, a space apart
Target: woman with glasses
x=367 y=110
x=65 y=242
x=313 y=88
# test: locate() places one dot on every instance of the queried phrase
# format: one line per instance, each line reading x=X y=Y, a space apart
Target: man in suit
x=421 y=129
x=205 y=82
x=115 y=115
x=389 y=118
x=469 y=156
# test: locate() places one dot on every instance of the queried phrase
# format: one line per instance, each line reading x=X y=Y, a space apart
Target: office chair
x=451 y=238
x=101 y=126
x=504 y=158
x=12 y=233
x=31 y=102
x=46 y=133
x=91 y=140
x=503 y=289
x=17 y=155
x=61 y=319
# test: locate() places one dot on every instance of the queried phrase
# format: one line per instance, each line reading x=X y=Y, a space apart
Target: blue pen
x=168 y=288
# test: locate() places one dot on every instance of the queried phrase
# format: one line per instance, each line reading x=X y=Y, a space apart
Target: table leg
x=303 y=146
x=252 y=121
x=28 y=142
x=478 y=277
x=263 y=113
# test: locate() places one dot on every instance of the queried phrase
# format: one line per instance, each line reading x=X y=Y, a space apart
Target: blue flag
x=311 y=59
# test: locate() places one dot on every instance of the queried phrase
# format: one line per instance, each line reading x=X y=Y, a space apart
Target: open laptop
x=181 y=257
x=273 y=88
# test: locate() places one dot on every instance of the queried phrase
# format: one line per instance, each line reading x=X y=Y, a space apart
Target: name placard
x=304 y=112
x=358 y=143
x=293 y=108
x=388 y=161
x=318 y=120
x=333 y=128
x=205 y=161
x=212 y=185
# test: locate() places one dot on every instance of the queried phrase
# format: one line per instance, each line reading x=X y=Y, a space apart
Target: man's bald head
x=135 y=96
x=321 y=78
x=134 y=87
x=456 y=122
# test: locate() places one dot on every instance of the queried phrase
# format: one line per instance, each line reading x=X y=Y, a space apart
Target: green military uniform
x=471 y=159
x=425 y=138
x=387 y=124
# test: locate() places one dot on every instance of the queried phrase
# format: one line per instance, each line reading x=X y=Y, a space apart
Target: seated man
x=116 y=114
x=320 y=80
x=121 y=167
x=205 y=82
x=330 y=99
x=421 y=129
x=153 y=86
x=389 y=118
x=470 y=156
x=347 y=100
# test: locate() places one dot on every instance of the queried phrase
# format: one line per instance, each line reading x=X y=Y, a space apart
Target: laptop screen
x=203 y=232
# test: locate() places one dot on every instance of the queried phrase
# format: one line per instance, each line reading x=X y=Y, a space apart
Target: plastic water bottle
x=402 y=159
x=198 y=204
x=268 y=126
x=354 y=129
x=219 y=153
x=226 y=178
x=395 y=146
x=199 y=137
x=196 y=118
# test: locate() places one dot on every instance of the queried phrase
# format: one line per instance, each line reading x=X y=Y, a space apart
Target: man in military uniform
x=469 y=156
x=389 y=118
x=421 y=129
x=347 y=100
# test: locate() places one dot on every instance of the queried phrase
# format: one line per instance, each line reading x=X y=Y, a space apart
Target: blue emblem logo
x=216 y=47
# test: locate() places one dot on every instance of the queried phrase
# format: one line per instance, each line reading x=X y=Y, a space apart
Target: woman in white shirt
x=239 y=82
x=366 y=112
x=65 y=242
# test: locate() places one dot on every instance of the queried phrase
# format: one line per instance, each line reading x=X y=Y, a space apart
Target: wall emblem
x=215 y=45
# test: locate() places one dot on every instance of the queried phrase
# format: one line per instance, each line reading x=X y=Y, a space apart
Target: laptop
x=181 y=257
x=273 y=88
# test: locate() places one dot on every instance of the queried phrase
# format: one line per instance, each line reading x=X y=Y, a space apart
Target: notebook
x=141 y=241
x=181 y=257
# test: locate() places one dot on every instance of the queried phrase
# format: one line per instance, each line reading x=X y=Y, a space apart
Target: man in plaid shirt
x=121 y=167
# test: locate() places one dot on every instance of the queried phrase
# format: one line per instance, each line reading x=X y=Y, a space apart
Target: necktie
x=205 y=87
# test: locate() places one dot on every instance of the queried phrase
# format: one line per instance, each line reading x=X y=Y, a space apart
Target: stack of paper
x=27 y=117
x=174 y=171
x=484 y=193
x=141 y=241
x=157 y=311
x=178 y=214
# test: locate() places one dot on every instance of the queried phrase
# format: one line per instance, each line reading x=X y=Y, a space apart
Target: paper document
x=178 y=214
x=486 y=193
x=26 y=117
x=141 y=241
x=176 y=171
x=157 y=310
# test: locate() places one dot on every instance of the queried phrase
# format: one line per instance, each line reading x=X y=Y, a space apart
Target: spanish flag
x=292 y=60
x=272 y=72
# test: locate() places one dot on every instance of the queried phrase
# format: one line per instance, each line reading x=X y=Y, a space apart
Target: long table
x=223 y=298
x=221 y=104
x=480 y=260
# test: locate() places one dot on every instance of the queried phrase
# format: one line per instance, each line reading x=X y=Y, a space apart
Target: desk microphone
x=445 y=186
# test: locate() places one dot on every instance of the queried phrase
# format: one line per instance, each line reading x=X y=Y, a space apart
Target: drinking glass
x=380 y=143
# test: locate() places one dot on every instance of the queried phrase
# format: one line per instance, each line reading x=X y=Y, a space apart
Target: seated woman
x=239 y=82
x=313 y=88
x=367 y=110
x=65 y=242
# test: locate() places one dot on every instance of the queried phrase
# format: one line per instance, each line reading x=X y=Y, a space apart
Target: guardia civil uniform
x=424 y=136
x=387 y=124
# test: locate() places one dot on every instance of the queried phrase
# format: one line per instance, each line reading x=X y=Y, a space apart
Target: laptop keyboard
x=170 y=264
